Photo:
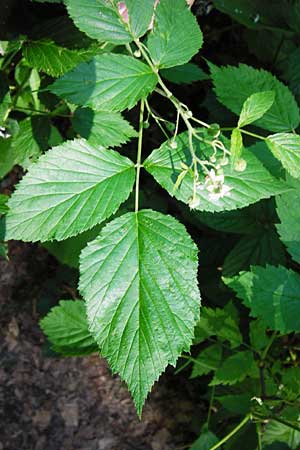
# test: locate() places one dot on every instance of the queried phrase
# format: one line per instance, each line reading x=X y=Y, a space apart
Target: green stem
x=139 y=155
x=233 y=432
x=270 y=343
x=257 y=136
x=212 y=397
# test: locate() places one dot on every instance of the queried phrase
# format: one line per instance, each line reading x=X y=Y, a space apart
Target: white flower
x=217 y=193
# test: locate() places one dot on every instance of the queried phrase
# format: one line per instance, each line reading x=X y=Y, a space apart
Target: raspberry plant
x=138 y=266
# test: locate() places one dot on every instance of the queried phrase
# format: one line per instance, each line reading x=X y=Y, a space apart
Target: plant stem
x=212 y=397
x=270 y=343
x=233 y=432
x=139 y=155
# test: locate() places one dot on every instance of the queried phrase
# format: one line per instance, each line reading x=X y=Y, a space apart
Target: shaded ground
x=48 y=403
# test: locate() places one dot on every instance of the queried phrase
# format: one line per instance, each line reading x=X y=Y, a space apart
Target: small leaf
x=142 y=304
x=102 y=128
x=67 y=329
x=286 y=148
x=104 y=83
x=255 y=107
x=99 y=20
x=139 y=15
x=205 y=441
x=235 y=369
x=170 y=44
x=185 y=74
x=272 y=294
x=289 y=215
x=207 y=360
x=257 y=332
x=236 y=147
x=247 y=187
x=3 y=204
x=5 y=99
x=250 y=81
x=69 y=190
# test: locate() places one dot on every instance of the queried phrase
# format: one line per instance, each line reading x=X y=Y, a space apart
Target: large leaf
x=53 y=59
x=69 y=190
x=273 y=294
x=258 y=249
x=289 y=215
x=250 y=81
x=235 y=368
x=108 y=82
x=67 y=329
x=255 y=183
x=100 y=20
x=176 y=36
x=139 y=279
x=286 y=148
x=106 y=128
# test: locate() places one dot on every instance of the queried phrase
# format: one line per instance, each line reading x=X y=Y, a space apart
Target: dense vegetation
x=134 y=159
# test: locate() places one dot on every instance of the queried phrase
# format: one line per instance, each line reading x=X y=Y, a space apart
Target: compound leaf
x=139 y=279
x=169 y=43
x=255 y=183
x=286 y=148
x=278 y=117
x=272 y=294
x=66 y=327
x=107 y=82
x=69 y=190
x=109 y=129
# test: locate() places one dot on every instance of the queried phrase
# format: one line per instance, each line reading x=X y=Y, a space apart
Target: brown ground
x=49 y=403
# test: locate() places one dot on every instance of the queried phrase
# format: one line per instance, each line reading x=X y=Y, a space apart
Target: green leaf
x=3 y=204
x=185 y=74
x=67 y=329
x=235 y=369
x=105 y=128
x=68 y=251
x=207 y=360
x=257 y=332
x=278 y=432
x=205 y=441
x=108 y=82
x=255 y=107
x=53 y=59
x=221 y=323
x=236 y=147
x=259 y=249
x=100 y=20
x=69 y=190
x=176 y=35
x=3 y=251
x=237 y=404
x=5 y=99
x=289 y=215
x=139 y=15
x=286 y=148
x=247 y=187
x=250 y=81
x=31 y=140
x=272 y=294
x=139 y=279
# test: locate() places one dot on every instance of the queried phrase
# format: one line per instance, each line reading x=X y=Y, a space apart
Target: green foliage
x=108 y=128
x=134 y=306
x=246 y=187
x=98 y=70
x=272 y=294
x=169 y=44
x=67 y=329
x=277 y=118
x=79 y=177
x=104 y=83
